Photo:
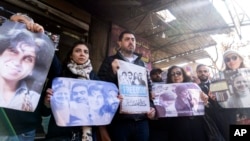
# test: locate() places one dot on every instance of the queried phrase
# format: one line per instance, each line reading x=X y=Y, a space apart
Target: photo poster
x=25 y=61
x=234 y=90
x=77 y=102
x=133 y=86
x=177 y=99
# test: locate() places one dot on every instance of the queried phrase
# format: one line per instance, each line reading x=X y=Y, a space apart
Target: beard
x=129 y=51
x=203 y=78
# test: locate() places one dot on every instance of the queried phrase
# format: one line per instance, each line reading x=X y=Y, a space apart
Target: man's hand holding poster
x=25 y=61
x=77 y=102
x=133 y=87
x=178 y=99
x=234 y=90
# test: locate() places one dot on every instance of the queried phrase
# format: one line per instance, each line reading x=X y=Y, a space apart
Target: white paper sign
x=133 y=87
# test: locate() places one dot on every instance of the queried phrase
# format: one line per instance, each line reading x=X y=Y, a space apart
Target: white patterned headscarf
x=82 y=71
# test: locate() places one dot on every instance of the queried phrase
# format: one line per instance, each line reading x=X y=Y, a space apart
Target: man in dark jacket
x=126 y=127
x=203 y=75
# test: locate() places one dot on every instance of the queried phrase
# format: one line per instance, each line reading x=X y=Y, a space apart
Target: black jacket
x=106 y=74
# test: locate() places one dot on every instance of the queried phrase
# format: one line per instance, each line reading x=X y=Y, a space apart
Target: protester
x=185 y=128
x=30 y=25
x=76 y=65
x=233 y=61
x=126 y=127
x=204 y=77
x=158 y=128
x=155 y=75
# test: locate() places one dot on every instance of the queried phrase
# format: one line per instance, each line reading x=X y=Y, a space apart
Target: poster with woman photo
x=132 y=82
x=25 y=59
x=236 y=92
x=178 y=99
x=77 y=102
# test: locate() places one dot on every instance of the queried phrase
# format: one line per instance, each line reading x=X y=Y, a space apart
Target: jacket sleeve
x=106 y=73
x=54 y=71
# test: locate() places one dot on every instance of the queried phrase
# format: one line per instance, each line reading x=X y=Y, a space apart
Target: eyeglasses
x=228 y=59
x=178 y=73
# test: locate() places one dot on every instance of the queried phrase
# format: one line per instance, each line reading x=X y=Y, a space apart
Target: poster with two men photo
x=25 y=61
x=133 y=86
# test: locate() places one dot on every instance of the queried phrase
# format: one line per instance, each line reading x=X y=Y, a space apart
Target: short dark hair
x=124 y=32
x=200 y=65
x=67 y=59
x=155 y=71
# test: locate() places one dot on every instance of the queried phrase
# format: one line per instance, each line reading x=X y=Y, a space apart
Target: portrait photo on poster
x=235 y=92
x=178 y=99
x=133 y=86
x=97 y=99
x=25 y=59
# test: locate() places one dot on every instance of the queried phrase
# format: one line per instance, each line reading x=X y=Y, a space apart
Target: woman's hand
x=47 y=98
x=151 y=113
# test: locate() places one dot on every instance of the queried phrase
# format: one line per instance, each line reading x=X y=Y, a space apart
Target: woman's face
x=17 y=63
x=80 y=54
x=176 y=75
x=241 y=85
x=233 y=61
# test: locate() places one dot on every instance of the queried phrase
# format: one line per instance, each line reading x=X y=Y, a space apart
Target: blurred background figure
x=155 y=75
x=204 y=77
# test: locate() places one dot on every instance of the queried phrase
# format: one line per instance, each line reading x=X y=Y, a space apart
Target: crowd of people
x=124 y=127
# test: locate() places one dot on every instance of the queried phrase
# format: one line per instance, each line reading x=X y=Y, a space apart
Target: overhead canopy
x=179 y=38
